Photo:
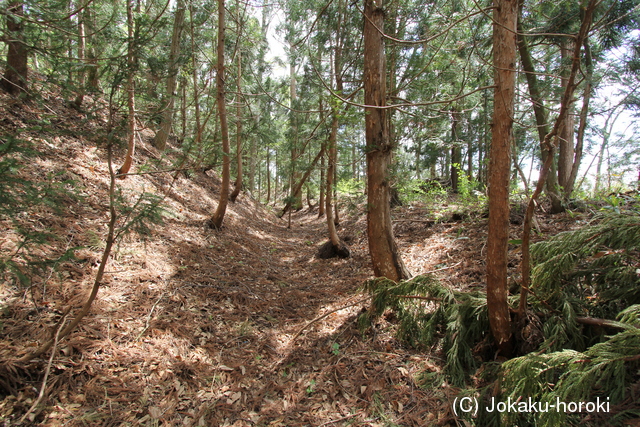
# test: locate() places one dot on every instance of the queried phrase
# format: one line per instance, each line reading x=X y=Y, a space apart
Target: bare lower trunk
x=504 y=58
x=268 y=172
x=238 y=184
x=456 y=151
x=385 y=258
x=333 y=234
x=323 y=187
x=131 y=124
x=218 y=215
x=81 y=59
x=334 y=247
x=566 y=131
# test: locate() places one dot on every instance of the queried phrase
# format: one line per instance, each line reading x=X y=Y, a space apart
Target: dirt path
x=211 y=344
x=194 y=327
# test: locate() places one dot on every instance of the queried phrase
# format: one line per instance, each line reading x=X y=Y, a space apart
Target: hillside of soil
x=195 y=327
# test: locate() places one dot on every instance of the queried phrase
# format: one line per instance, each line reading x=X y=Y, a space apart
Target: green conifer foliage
x=427 y=311
x=594 y=267
x=585 y=286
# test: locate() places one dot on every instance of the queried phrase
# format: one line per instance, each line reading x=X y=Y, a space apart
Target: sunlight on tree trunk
x=382 y=246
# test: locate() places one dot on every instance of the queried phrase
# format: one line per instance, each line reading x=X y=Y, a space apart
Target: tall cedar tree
x=505 y=15
x=160 y=140
x=218 y=216
x=238 y=184
x=382 y=246
x=131 y=90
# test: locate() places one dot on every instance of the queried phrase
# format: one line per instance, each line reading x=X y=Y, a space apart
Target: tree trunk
x=382 y=246
x=336 y=209
x=566 y=132
x=14 y=80
x=194 y=76
x=238 y=184
x=418 y=159
x=293 y=127
x=586 y=99
x=540 y=112
x=218 y=216
x=504 y=60
x=323 y=187
x=131 y=90
x=93 y=82
x=297 y=187
x=160 y=140
x=548 y=142
x=335 y=247
x=469 y=160
x=456 y=150
x=323 y=183
x=268 y=173
x=81 y=59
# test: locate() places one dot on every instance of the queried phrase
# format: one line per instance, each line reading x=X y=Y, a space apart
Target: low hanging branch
x=549 y=144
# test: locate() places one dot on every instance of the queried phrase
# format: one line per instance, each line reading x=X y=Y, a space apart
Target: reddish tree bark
x=382 y=246
x=504 y=60
x=218 y=215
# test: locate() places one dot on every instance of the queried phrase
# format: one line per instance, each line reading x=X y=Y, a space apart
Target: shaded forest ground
x=195 y=327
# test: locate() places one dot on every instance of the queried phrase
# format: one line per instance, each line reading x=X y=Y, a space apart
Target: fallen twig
x=146 y=325
x=341 y=419
x=46 y=371
x=325 y=315
x=443 y=268
x=432 y=299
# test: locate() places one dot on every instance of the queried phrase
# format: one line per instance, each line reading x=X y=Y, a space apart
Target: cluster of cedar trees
x=385 y=257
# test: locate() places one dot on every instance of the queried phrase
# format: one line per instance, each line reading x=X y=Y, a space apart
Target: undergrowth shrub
x=428 y=311
x=602 y=374
x=585 y=300
x=594 y=268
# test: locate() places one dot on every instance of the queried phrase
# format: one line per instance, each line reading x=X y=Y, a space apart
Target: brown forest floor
x=195 y=327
